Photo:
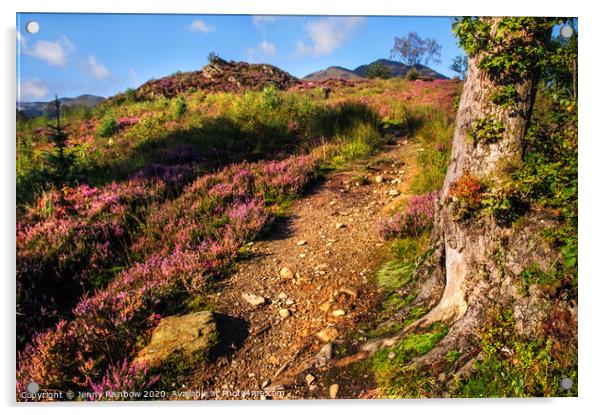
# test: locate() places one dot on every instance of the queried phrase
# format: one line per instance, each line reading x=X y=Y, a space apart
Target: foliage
x=486 y=130
x=417 y=218
x=394 y=377
x=379 y=70
x=107 y=127
x=515 y=367
x=465 y=194
x=412 y=74
x=414 y=50
x=180 y=107
x=127 y=377
x=460 y=66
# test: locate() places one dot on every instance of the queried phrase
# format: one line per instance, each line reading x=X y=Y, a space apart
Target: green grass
x=394 y=377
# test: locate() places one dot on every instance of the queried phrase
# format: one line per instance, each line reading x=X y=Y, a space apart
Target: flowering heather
x=188 y=240
x=130 y=377
x=417 y=217
x=71 y=240
x=127 y=121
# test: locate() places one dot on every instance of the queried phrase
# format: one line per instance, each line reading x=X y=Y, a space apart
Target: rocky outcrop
x=219 y=76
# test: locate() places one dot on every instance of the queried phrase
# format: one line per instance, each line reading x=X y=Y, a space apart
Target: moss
x=390 y=365
x=395 y=274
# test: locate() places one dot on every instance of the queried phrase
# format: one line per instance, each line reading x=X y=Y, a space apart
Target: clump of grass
x=393 y=375
x=107 y=127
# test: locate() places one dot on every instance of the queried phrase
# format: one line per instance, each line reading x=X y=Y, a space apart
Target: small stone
x=284 y=312
x=391 y=355
x=309 y=378
x=290 y=301
x=379 y=179
x=340 y=225
x=338 y=313
x=286 y=272
x=333 y=390
x=313 y=387
x=251 y=375
x=282 y=296
x=265 y=383
x=253 y=299
x=328 y=334
x=301 y=255
x=393 y=192
x=302 y=242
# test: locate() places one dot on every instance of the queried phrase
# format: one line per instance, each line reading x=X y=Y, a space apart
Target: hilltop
x=219 y=76
x=396 y=69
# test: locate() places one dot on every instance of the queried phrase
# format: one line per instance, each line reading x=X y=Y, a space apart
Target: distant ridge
x=396 y=68
x=34 y=109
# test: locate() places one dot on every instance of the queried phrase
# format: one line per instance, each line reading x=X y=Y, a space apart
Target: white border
x=590 y=232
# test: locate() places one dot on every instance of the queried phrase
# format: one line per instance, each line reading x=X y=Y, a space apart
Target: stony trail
x=313 y=270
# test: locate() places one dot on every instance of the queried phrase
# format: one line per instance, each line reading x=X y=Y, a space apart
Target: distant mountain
x=34 y=109
x=396 y=68
x=333 y=72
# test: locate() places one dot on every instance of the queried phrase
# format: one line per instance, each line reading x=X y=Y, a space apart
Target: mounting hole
x=32 y=27
x=566 y=31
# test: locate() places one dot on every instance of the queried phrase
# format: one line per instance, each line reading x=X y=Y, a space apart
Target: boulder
x=188 y=333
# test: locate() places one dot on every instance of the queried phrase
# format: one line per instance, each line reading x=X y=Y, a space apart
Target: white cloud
x=328 y=34
x=267 y=48
x=259 y=21
x=95 y=68
x=198 y=25
x=261 y=51
x=54 y=53
x=30 y=90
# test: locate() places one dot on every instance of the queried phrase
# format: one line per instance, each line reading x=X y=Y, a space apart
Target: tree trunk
x=470 y=250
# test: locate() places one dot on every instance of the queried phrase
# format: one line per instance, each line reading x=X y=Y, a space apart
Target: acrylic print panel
x=288 y=207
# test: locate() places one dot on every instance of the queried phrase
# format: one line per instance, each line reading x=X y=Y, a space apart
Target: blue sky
x=103 y=54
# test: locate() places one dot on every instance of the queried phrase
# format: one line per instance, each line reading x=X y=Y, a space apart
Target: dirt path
x=329 y=241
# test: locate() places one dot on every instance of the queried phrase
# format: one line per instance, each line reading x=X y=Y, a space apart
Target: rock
x=284 y=312
x=338 y=313
x=350 y=291
x=302 y=242
x=324 y=355
x=282 y=296
x=313 y=387
x=253 y=299
x=333 y=390
x=391 y=355
x=286 y=272
x=301 y=255
x=379 y=179
x=189 y=333
x=325 y=307
x=393 y=192
x=328 y=334
x=309 y=378
x=340 y=225
x=290 y=301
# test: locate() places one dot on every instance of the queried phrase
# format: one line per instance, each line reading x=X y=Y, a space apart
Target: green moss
x=453 y=356
x=390 y=364
x=395 y=274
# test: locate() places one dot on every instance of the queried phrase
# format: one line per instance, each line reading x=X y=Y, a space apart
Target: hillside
x=35 y=109
x=396 y=69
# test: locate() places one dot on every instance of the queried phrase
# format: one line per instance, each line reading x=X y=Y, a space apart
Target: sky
x=103 y=54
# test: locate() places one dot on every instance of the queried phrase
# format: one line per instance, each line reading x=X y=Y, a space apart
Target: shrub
x=180 y=107
x=107 y=127
x=412 y=74
x=465 y=195
x=127 y=377
x=417 y=218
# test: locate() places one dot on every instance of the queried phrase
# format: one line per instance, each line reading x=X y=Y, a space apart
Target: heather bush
x=73 y=240
x=128 y=377
x=415 y=220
